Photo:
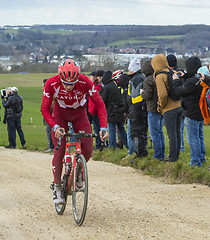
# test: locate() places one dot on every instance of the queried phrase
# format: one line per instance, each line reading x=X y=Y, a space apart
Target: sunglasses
x=69 y=83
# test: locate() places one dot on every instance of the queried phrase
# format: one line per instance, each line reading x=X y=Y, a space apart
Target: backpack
x=18 y=106
x=204 y=103
x=208 y=98
x=171 y=92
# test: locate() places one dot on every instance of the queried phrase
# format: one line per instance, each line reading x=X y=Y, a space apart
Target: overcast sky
x=151 y=12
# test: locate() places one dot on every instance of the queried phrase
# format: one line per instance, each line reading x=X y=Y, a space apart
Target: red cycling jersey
x=71 y=100
x=70 y=106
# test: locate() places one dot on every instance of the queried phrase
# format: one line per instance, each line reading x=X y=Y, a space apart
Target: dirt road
x=123 y=204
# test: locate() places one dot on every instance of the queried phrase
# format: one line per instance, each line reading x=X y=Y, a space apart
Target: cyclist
x=69 y=89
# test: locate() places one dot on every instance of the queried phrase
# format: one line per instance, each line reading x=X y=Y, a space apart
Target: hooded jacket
x=149 y=87
x=165 y=103
x=112 y=98
x=189 y=90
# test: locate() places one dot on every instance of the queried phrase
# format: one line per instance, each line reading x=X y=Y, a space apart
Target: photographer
x=13 y=113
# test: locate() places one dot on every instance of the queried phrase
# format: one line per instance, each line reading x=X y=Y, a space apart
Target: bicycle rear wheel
x=60 y=208
x=80 y=194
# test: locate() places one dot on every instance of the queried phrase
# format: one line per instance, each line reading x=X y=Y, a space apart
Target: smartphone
x=198 y=75
x=178 y=75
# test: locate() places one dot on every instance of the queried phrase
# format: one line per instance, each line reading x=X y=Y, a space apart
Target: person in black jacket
x=190 y=92
x=112 y=98
x=13 y=119
x=123 y=83
x=137 y=109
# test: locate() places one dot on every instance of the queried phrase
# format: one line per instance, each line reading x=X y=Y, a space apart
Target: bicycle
x=77 y=165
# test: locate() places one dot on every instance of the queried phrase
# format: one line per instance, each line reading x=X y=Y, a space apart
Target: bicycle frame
x=77 y=146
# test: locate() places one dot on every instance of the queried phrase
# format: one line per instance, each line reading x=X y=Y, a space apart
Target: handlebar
x=79 y=135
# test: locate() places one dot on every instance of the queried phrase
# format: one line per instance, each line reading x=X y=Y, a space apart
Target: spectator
x=204 y=102
x=137 y=109
x=99 y=76
x=190 y=93
x=170 y=109
x=123 y=83
x=172 y=62
x=13 y=119
x=112 y=98
x=48 y=129
x=205 y=74
x=8 y=93
x=155 y=119
x=115 y=76
x=93 y=110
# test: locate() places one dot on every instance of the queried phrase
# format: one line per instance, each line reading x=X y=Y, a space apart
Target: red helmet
x=117 y=74
x=69 y=71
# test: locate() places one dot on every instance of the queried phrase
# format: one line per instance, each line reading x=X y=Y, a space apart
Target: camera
x=198 y=75
x=3 y=93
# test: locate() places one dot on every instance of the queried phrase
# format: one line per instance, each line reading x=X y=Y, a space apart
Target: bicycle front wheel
x=80 y=194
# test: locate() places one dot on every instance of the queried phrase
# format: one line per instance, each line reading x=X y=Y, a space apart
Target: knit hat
x=204 y=70
x=192 y=65
x=134 y=65
x=123 y=81
x=100 y=73
x=14 y=89
x=93 y=74
x=172 y=61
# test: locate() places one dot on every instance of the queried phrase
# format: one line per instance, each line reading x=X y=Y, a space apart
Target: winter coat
x=190 y=91
x=149 y=87
x=91 y=106
x=123 y=83
x=112 y=98
x=165 y=103
x=9 y=106
x=137 y=111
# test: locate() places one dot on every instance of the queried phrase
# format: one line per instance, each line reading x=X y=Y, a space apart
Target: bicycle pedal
x=52 y=186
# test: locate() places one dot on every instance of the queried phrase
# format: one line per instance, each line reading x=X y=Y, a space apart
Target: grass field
x=30 y=88
x=62 y=32
x=144 y=41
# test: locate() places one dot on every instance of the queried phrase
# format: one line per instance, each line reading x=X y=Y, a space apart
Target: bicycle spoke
x=80 y=195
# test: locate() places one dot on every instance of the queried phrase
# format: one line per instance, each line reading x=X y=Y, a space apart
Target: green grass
x=133 y=41
x=167 y=36
x=150 y=41
x=62 y=32
x=176 y=172
x=30 y=88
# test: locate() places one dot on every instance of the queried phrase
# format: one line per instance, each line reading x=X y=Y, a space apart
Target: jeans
x=131 y=147
x=48 y=134
x=195 y=138
x=96 y=128
x=13 y=125
x=172 y=121
x=112 y=134
x=182 y=134
x=155 y=122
